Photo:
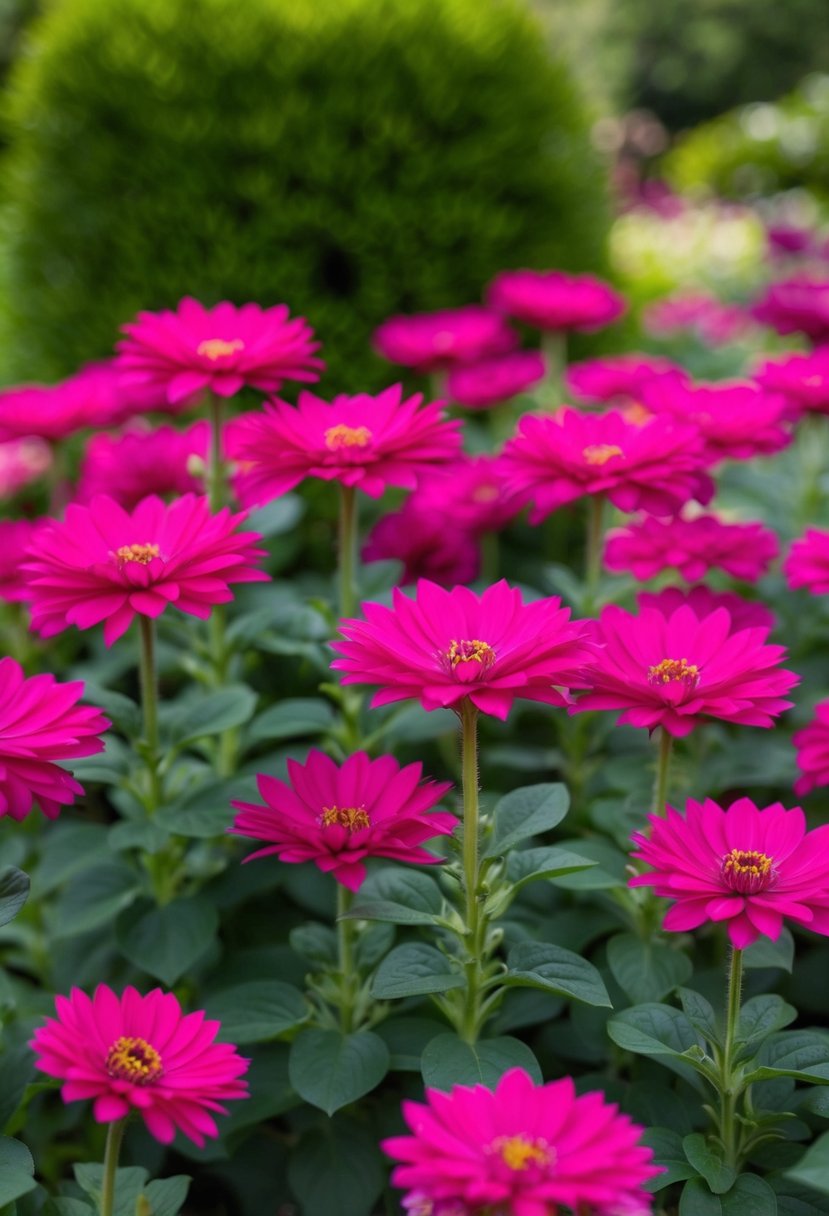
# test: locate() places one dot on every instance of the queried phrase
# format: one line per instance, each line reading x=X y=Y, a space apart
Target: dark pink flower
x=366 y=442
x=807 y=564
x=433 y=341
x=654 y=466
x=747 y=866
x=714 y=323
x=523 y=1149
x=479 y=386
x=787 y=239
x=16 y=536
x=174 y=357
x=812 y=743
x=41 y=724
x=426 y=544
x=134 y=1053
x=107 y=564
x=615 y=378
x=553 y=300
x=22 y=461
x=94 y=397
x=338 y=815
x=444 y=647
x=692 y=546
x=676 y=671
x=142 y=461
x=737 y=419
x=802 y=379
x=744 y=614
x=799 y=304
x=471 y=493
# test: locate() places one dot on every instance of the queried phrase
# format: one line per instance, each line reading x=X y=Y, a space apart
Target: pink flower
x=714 y=323
x=787 y=239
x=470 y=493
x=177 y=356
x=107 y=564
x=557 y=458
x=93 y=397
x=141 y=1053
x=16 y=536
x=425 y=543
x=807 y=564
x=749 y=866
x=338 y=815
x=41 y=723
x=802 y=379
x=21 y=462
x=363 y=441
x=692 y=546
x=615 y=378
x=481 y=385
x=142 y=461
x=433 y=341
x=675 y=671
x=552 y=300
x=737 y=419
x=812 y=743
x=744 y=614
x=799 y=304
x=523 y=1149
x=446 y=646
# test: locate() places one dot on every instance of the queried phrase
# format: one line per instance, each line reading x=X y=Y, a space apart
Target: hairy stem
x=470 y=1024
x=663 y=773
x=149 y=703
x=729 y=1130
x=115 y=1135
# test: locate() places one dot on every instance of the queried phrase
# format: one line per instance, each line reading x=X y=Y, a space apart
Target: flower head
x=432 y=341
x=337 y=815
x=425 y=543
x=812 y=743
x=93 y=397
x=174 y=357
x=16 y=536
x=523 y=1148
x=481 y=385
x=692 y=546
x=807 y=564
x=107 y=564
x=744 y=614
x=751 y=867
x=553 y=300
x=615 y=378
x=714 y=323
x=675 y=671
x=471 y=493
x=802 y=379
x=22 y=461
x=141 y=1053
x=799 y=304
x=737 y=419
x=41 y=723
x=363 y=441
x=142 y=461
x=444 y=647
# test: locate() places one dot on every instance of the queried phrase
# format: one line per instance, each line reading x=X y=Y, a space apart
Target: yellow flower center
x=600 y=453
x=217 y=348
x=352 y=818
x=519 y=1153
x=470 y=651
x=637 y=413
x=143 y=554
x=674 y=670
x=747 y=871
x=341 y=436
x=485 y=493
x=134 y=1060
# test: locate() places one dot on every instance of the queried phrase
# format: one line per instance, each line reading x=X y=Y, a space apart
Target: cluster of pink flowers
x=692 y=546
x=714 y=323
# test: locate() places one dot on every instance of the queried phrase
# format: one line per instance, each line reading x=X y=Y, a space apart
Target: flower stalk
x=729 y=1088
x=345 y=958
x=347 y=550
x=474 y=926
x=594 y=546
x=149 y=704
x=662 y=780
x=115 y=1135
x=216 y=489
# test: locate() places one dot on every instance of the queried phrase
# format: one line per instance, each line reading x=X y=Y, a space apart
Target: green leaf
x=291 y=719
x=166 y=1196
x=766 y=953
x=15 y=1155
x=123 y=711
x=148 y=836
x=106 y=890
x=646 y=970
x=16 y=1069
x=761 y=1016
x=750 y=1196
x=414 y=969
x=526 y=812
x=530 y=865
x=69 y=849
x=258 y=1011
x=129 y=1184
x=61 y=1205
x=448 y=1060
x=667 y=1152
x=553 y=969
x=658 y=1030
x=203 y=812
x=706 y=1161
x=406 y=1039
x=14 y=1182
x=402 y=897
x=795 y=1199
x=14 y=891
x=700 y=1013
x=609 y=871
x=337 y=1168
x=213 y=713
x=166 y=941
x=317 y=943
x=801 y=1054
x=330 y=1069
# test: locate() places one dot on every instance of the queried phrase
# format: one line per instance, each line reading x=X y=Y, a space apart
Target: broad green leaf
x=609 y=871
x=291 y=719
x=750 y=1196
x=123 y=711
x=60 y=1205
x=205 y=811
x=373 y=943
x=800 y=1054
x=337 y=1167
x=166 y=1196
x=700 y=1013
x=149 y=836
x=166 y=941
x=414 y=969
x=403 y=897
x=16 y=1070
x=15 y=1155
x=406 y=1039
x=129 y=1184
x=107 y=889
x=526 y=812
x=795 y=1199
x=653 y=1030
x=448 y=1060
x=14 y=1182
x=258 y=1011
x=317 y=943
x=530 y=865
x=646 y=970
x=213 y=713
x=70 y=848
x=766 y=953
x=667 y=1152
x=330 y=1069
x=761 y=1016
x=553 y=969
x=14 y=891
x=706 y=1161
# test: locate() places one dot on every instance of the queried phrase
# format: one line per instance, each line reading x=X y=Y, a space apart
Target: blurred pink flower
x=554 y=300
x=737 y=419
x=16 y=536
x=492 y=381
x=807 y=564
x=141 y=461
x=93 y=397
x=812 y=743
x=745 y=614
x=22 y=461
x=802 y=379
x=715 y=323
x=799 y=304
x=470 y=493
x=433 y=341
x=615 y=378
x=692 y=546
x=426 y=543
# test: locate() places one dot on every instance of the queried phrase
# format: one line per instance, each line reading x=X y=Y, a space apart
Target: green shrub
x=352 y=157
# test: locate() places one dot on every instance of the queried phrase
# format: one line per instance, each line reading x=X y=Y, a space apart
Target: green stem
x=729 y=1130
x=115 y=1135
x=594 y=547
x=347 y=550
x=215 y=460
x=345 y=958
x=554 y=349
x=663 y=773
x=469 y=762
x=149 y=702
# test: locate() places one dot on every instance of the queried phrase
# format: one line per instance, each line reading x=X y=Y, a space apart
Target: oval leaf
x=448 y=1060
x=526 y=812
x=258 y=1011
x=330 y=1069
x=553 y=969
x=165 y=941
x=414 y=969
x=14 y=891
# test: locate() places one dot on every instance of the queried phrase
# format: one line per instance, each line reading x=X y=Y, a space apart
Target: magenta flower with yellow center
x=748 y=866
x=445 y=647
x=141 y=1054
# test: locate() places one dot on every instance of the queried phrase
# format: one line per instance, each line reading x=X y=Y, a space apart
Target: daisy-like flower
x=471 y=492
x=799 y=304
x=553 y=300
x=366 y=442
x=337 y=815
x=812 y=743
x=22 y=461
x=107 y=564
x=479 y=386
x=141 y=1053
x=142 y=461
x=523 y=1149
x=16 y=536
x=615 y=378
x=444 y=647
x=737 y=419
x=693 y=547
x=676 y=671
x=434 y=341
x=714 y=323
x=93 y=397
x=655 y=466
x=174 y=357
x=749 y=866
x=425 y=543
x=744 y=614
x=807 y=564
x=41 y=724
x=802 y=379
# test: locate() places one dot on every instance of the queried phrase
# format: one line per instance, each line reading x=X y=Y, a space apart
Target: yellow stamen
x=134 y=1060
x=519 y=1153
x=143 y=554
x=485 y=493
x=352 y=818
x=342 y=436
x=670 y=670
x=637 y=413
x=216 y=348
x=472 y=651
x=747 y=871
x=600 y=453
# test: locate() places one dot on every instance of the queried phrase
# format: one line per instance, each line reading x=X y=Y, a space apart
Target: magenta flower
x=744 y=614
x=807 y=564
x=692 y=546
x=714 y=323
x=802 y=379
x=174 y=357
x=751 y=867
x=426 y=543
x=523 y=1149
x=615 y=378
x=22 y=461
x=141 y=461
x=812 y=743
x=141 y=1053
x=675 y=671
x=16 y=535
x=737 y=419
x=479 y=386
x=434 y=341
x=655 y=466
x=41 y=724
x=339 y=815
x=366 y=442
x=93 y=397
x=107 y=564
x=444 y=647
x=470 y=493
x=799 y=304
x=553 y=300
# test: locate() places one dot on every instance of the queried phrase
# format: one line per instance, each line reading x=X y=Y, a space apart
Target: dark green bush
x=352 y=157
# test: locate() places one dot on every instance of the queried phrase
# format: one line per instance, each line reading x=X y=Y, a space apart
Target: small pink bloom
x=751 y=867
x=787 y=239
x=40 y=724
x=93 y=397
x=339 y=815
x=692 y=546
x=654 y=466
x=802 y=379
x=799 y=304
x=434 y=341
x=107 y=564
x=675 y=671
x=523 y=1149
x=553 y=300
x=363 y=441
x=812 y=743
x=615 y=378
x=479 y=386
x=142 y=461
x=16 y=536
x=426 y=544
x=470 y=493
x=737 y=419
x=714 y=323
x=175 y=357
x=744 y=614
x=807 y=564
x=22 y=461
x=134 y=1053
x=444 y=647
